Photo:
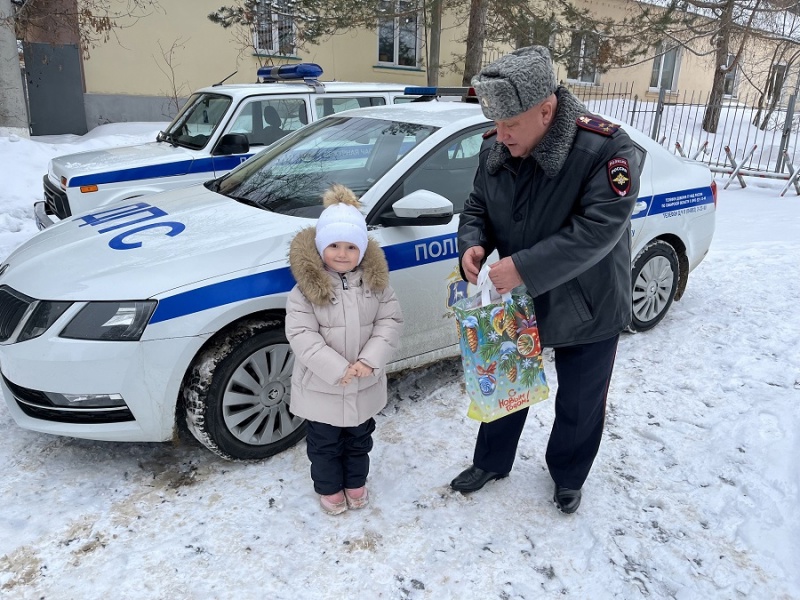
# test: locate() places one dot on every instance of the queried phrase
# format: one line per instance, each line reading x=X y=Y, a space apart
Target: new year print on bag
x=500 y=351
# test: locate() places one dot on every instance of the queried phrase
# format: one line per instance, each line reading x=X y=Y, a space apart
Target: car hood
x=84 y=168
x=163 y=242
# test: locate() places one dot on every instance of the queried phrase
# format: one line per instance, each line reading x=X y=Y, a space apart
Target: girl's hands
x=357 y=369
x=360 y=369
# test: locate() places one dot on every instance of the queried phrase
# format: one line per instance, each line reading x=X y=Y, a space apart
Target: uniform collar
x=552 y=152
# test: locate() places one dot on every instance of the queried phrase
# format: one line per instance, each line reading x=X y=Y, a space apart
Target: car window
x=449 y=170
x=330 y=105
x=265 y=121
x=291 y=176
x=197 y=120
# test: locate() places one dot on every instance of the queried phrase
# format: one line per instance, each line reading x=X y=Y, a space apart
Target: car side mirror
x=419 y=208
x=232 y=143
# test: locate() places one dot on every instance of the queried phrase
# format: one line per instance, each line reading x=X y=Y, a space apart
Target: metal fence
x=754 y=141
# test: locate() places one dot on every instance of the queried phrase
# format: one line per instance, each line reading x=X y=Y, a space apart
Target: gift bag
x=500 y=351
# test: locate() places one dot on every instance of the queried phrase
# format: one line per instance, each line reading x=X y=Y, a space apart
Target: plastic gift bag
x=500 y=351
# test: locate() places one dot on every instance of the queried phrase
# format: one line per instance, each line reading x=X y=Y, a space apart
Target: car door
x=263 y=119
x=642 y=206
x=423 y=260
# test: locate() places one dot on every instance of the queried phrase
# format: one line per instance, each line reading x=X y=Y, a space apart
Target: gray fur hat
x=515 y=82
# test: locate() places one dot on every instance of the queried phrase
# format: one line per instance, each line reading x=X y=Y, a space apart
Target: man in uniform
x=553 y=194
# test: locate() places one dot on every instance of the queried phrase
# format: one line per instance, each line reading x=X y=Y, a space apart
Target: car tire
x=655 y=277
x=236 y=393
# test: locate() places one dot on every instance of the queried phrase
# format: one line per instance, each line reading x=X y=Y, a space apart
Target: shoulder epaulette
x=490 y=132
x=597 y=125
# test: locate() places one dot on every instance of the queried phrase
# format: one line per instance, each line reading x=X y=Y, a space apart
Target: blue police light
x=290 y=72
x=420 y=91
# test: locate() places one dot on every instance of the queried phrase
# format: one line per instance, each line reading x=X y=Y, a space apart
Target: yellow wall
x=206 y=53
x=133 y=63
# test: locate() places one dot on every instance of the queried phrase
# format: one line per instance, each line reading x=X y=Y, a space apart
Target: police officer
x=553 y=194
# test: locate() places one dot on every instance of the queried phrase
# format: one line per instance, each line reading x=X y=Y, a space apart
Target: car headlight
x=110 y=321
x=43 y=316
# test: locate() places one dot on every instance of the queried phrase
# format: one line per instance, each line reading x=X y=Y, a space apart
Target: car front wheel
x=655 y=281
x=236 y=394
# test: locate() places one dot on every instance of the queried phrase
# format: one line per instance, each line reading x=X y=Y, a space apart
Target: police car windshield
x=197 y=120
x=291 y=176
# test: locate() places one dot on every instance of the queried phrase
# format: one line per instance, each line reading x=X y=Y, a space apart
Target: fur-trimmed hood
x=316 y=282
x=551 y=153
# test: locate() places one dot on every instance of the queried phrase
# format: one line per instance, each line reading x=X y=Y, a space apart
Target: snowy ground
x=694 y=493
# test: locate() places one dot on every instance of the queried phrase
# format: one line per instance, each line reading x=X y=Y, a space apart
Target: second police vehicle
x=122 y=322
x=217 y=129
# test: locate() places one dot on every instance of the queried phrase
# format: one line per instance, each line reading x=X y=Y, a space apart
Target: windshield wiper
x=249 y=202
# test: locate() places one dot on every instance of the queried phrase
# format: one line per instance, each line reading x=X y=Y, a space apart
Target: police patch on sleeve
x=619 y=174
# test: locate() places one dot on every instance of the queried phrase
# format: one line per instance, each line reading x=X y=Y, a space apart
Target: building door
x=55 y=89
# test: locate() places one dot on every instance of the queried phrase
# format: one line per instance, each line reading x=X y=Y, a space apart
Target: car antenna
x=226 y=79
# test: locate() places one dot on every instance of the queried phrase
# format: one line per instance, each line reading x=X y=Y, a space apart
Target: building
x=154 y=58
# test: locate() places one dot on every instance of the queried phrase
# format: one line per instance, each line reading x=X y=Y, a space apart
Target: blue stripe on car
x=224 y=292
x=173 y=169
x=672 y=201
x=399 y=256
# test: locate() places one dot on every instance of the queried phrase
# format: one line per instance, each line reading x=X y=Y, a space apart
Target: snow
x=694 y=493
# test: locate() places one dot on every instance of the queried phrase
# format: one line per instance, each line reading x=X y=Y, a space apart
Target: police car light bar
x=290 y=72
x=468 y=92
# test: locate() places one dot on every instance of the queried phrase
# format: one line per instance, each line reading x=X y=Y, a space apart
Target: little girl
x=343 y=322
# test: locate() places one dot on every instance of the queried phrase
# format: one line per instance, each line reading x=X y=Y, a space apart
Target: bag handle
x=487 y=287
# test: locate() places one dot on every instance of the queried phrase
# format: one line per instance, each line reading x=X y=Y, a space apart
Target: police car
x=218 y=128
x=121 y=323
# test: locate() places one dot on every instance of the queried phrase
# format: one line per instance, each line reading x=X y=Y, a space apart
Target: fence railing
x=750 y=134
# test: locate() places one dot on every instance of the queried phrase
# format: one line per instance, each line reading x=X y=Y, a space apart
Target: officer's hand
x=504 y=275
x=471 y=262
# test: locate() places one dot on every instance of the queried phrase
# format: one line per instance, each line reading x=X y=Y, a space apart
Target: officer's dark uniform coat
x=563 y=215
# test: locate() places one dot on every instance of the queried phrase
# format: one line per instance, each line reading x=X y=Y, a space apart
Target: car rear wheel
x=655 y=281
x=236 y=394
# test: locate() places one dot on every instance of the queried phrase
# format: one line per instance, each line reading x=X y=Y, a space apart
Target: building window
x=582 y=62
x=274 y=27
x=398 y=36
x=665 y=69
x=731 y=78
x=777 y=77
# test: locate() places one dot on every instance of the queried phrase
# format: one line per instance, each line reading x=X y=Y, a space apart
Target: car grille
x=12 y=308
x=37 y=405
x=56 y=199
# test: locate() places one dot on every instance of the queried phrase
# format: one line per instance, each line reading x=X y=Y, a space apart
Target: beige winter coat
x=329 y=327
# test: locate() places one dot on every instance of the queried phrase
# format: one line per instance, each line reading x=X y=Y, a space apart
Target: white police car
x=217 y=129
x=118 y=323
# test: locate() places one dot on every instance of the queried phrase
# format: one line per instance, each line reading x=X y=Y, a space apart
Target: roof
x=436 y=114
x=331 y=87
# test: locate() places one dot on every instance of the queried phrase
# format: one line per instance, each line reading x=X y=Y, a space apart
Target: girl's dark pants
x=584 y=373
x=339 y=455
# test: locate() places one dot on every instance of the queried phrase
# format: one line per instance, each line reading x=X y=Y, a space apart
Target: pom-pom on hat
x=341 y=221
x=515 y=83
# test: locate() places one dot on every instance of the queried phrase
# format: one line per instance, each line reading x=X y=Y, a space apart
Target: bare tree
x=176 y=91
x=85 y=24
x=769 y=73
x=557 y=23
x=721 y=29
x=92 y=22
x=317 y=20
x=435 y=43
x=476 y=35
